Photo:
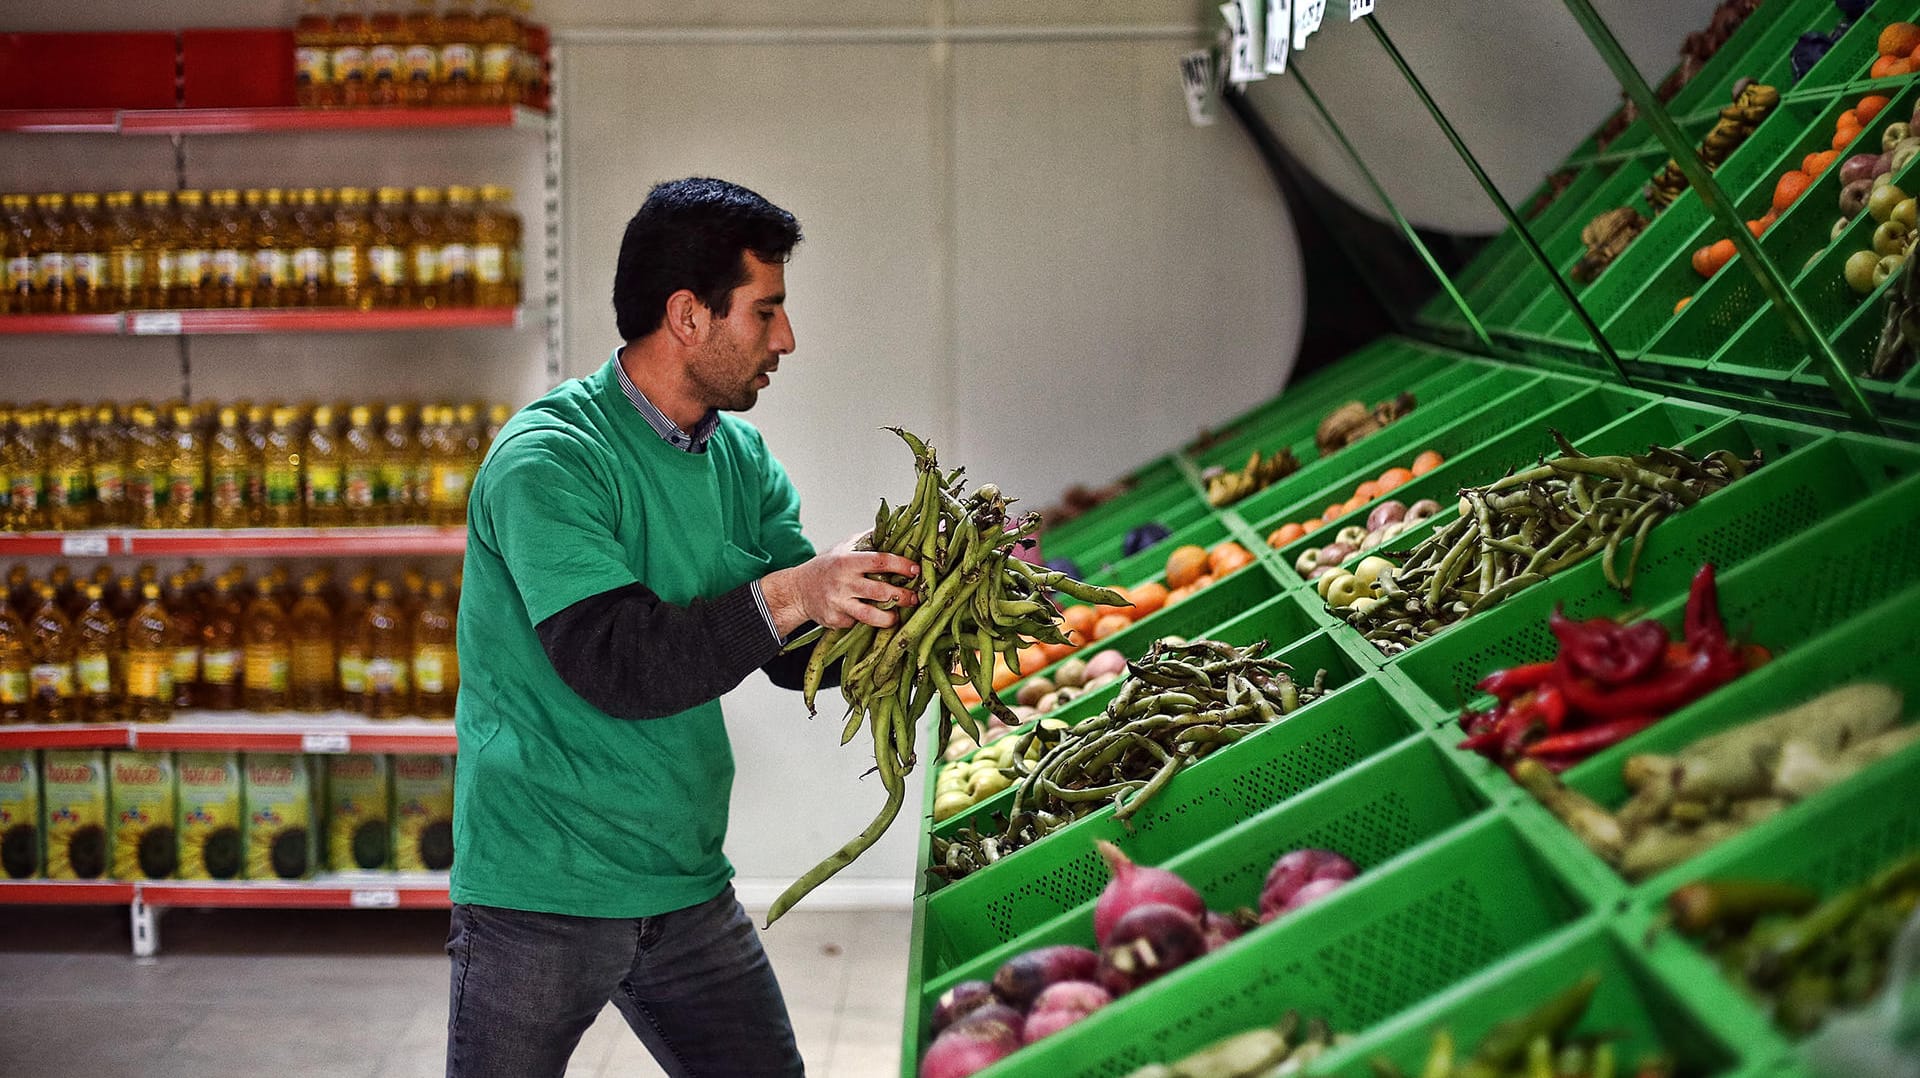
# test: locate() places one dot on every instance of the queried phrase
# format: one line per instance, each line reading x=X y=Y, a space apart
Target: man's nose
x=782 y=340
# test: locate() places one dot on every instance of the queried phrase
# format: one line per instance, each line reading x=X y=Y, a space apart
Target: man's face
x=733 y=364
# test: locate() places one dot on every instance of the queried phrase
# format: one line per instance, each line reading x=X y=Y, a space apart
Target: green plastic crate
x=1848 y=62
x=1380 y=809
x=1378 y=363
x=1097 y=549
x=1640 y=1010
x=1116 y=516
x=1759 y=50
x=1387 y=940
x=1034 y=884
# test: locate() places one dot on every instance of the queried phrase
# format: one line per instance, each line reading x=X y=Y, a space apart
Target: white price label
x=156 y=323
x=83 y=546
x=374 y=898
x=1279 y=35
x=1307 y=15
x=1197 y=79
x=1358 y=9
x=334 y=743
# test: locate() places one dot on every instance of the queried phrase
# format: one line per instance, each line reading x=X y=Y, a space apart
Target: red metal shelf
x=358 y=892
x=65 y=893
x=68 y=324
x=60 y=121
x=239 y=542
x=316 y=320
x=71 y=736
x=272 y=120
x=212 y=731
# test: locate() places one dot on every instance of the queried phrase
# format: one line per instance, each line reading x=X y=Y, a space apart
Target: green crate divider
x=1151 y=564
x=1384 y=942
x=1378 y=363
x=1522 y=436
x=1380 y=809
x=1634 y=1004
x=1748 y=518
x=1151 y=474
x=1853 y=55
x=1856 y=341
x=1505 y=251
x=1122 y=511
x=1037 y=883
x=1098 y=550
x=1759 y=50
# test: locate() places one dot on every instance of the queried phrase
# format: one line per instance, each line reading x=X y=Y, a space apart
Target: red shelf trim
x=273 y=320
x=298 y=894
x=65 y=893
x=273 y=542
x=103 y=736
x=67 y=324
x=60 y=121
x=268 y=120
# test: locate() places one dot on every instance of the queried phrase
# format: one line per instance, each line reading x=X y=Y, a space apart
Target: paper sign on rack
x=1307 y=16
x=1279 y=34
x=1197 y=79
x=325 y=743
x=1358 y=9
x=83 y=546
x=373 y=898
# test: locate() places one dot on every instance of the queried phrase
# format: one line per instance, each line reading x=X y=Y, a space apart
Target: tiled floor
x=251 y=994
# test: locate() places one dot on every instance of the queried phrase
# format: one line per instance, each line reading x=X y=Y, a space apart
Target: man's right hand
x=837 y=589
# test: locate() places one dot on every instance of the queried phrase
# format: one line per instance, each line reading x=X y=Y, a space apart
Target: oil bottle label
x=52 y=679
x=426 y=265
x=183 y=488
x=456 y=62
x=225 y=490
x=108 y=484
x=386 y=676
x=66 y=489
x=231 y=269
x=283 y=484
x=186 y=665
x=310 y=267
x=96 y=675
x=430 y=668
x=449 y=484
x=13 y=686
x=383 y=63
x=149 y=677
x=496 y=62
x=310 y=65
x=423 y=63
x=353 y=675
x=89 y=271
x=346 y=268
x=359 y=493
x=141 y=494
x=393 y=488
x=313 y=661
x=489 y=263
x=169 y=270
x=25 y=491
x=387 y=265
x=272 y=266
x=456 y=262
x=220 y=667
x=189 y=269
x=129 y=268
x=323 y=484
x=349 y=64
x=53 y=271
x=267 y=669
x=20 y=275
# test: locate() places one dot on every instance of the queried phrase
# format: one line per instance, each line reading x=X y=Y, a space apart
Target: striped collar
x=667 y=429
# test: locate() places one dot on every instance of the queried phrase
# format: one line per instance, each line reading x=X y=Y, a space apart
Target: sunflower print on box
x=359 y=817
x=423 y=813
x=211 y=817
x=279 y=795
x=20 y=816
x=144 y=809
x=74 y=800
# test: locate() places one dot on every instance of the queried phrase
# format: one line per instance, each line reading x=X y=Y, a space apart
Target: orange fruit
x=1426 y=462
x=1845 y=135
x=1033 y=658
x=1850 y=118
x=1313 y=525
x=1914 y=57
x=1284 y=534
x=1682 y=305
x=1186 y=565
x=1703 y=261
x=1079 y=618
x=1757 y=228
x=1869 y=107
x=1227 y=557
x=1885 y=68
x=1147 y=599
x=1819 y=161
x=1720 y=253
x=1180 y=594
x=1203 y=582
x=1354 y=502
x=1110 y=624
x=1394 y=478
x=1053 y=653
x=1003 y=674
x=1368 y=490
x=1335 y=511
x=1899 y=39
x=967 y=693
x=1790 y=187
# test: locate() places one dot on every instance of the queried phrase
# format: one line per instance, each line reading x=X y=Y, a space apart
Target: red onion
x=1219 y=930
x=1149 y=942
x=974 y=1043
x=1294 y=871
x=1133 y=886
x=959 y=1001
x=1025 y=976
x=1080 y=997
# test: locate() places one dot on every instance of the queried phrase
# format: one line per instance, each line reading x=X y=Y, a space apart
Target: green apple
x=1859 y=271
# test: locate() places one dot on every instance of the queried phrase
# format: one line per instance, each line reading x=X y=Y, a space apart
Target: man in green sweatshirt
x=634 y=551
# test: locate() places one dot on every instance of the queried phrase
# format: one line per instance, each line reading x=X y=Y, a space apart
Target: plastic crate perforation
x=1071 y=883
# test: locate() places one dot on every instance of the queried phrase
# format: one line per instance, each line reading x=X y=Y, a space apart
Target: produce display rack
x=1473 y=902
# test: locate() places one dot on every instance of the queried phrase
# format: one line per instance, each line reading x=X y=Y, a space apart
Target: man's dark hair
x=691 y=234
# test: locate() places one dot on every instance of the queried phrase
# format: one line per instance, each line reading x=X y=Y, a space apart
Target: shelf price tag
x=156 y=323
x=373 y=898
x=1307 y=16
x=1358 y=9
x=83 y=546
x=328 y=743
x=1279 y=32
x=1197 y=79
x=1243 y=58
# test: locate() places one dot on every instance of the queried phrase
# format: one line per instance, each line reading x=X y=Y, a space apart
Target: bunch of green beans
x=976 y=599
x=1527 y=526
x=1179 y=703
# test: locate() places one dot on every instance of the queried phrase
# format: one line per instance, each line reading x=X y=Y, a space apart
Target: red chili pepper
x=1522 y=719
x=1552 y=705
x=1703 y=628
x=1592 y=739
x=1664 y=693
x=1473 y=722
x=1607 y=651
x=1753 y=656
x=1509 y=684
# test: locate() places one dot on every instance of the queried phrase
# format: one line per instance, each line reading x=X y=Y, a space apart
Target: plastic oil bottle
x=19 y=221
x=499 y=81
x=285 y=480
x=459 y=54
x=52 y=256
x=123 y=595
x=184 y=614
x=193 y=255
x=349 y=55
x=267 y=647
x=314 y=661
x=231 y=272
x=272 y=269
x=421 y=33
x=253 y=431
x=388 y=248
x=398 y=463
x=88 y=268
x=313 y=55
x=347 y=619
x=107 y=457
x=423 y=243
x=126 y=243
x=495 y=243
x=436 y=664
x=67 y=482
x=16 y=667
x=97 y=650
x=322 y=501
x=26 y=471
x=362 y=455
x=383 y=640
x=150 y=645
x=220 y=649
x=456 y=247
x=386 y=64
x=71 y=599
x=227 y=454
x=453 y=467
x=160 y=257
x=186 y=472
x=311 y=240
x=147 y=455
x=50 y=647
x=352 y=238
x=21 y=592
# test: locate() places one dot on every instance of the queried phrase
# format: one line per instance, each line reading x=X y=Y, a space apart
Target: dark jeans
x=694 y=984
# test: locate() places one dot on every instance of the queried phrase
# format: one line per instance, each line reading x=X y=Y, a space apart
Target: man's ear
x=687 y=318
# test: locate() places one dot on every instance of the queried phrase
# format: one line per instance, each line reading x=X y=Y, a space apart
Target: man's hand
x=836 y=589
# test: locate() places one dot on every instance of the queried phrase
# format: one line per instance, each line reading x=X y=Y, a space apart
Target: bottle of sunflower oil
x=457 y=227
x=71 y=598
x=285 y=479
x=421 y=33
x=350 y=645
x=147 y=456
x=388 y=248
x=227 y=472
x=50 y=647
x=97 y=647
x=452 y=466
x=267 y=644
x=6 y=467
x=278 y=583
x=160 y=257
x=19 y=222
x=362 y=464
x=313 y=55
x=310 y=237
x=125 y=240
x=53 y=256
x=271 y=258
x=428 y=288
x=384 y=641
x=411 y=594
x=499 y=81
x=221 y=649
x=253 y=432
x=315 y=664
x=150 y=656
x=184 y=613
x=186 y=472
x=193 y=258
x=349 y=56
x=89 y=266
x=436 y=664
x=231 y=270
x=123 y=593
x=107 y=458
x=394 y=492
x=352 y=241
x=386 y=63
x=66 y=483
x=459 y=54
x=16 y=667
x=495 y=245
x=22 y=592
x=324 y=488
x=26 y=471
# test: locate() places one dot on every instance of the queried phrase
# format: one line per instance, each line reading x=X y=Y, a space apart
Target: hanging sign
x=1358 y=9
x=1242 y=60
x=1307 y=16
x=1197 y=79
x=1279 y=35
